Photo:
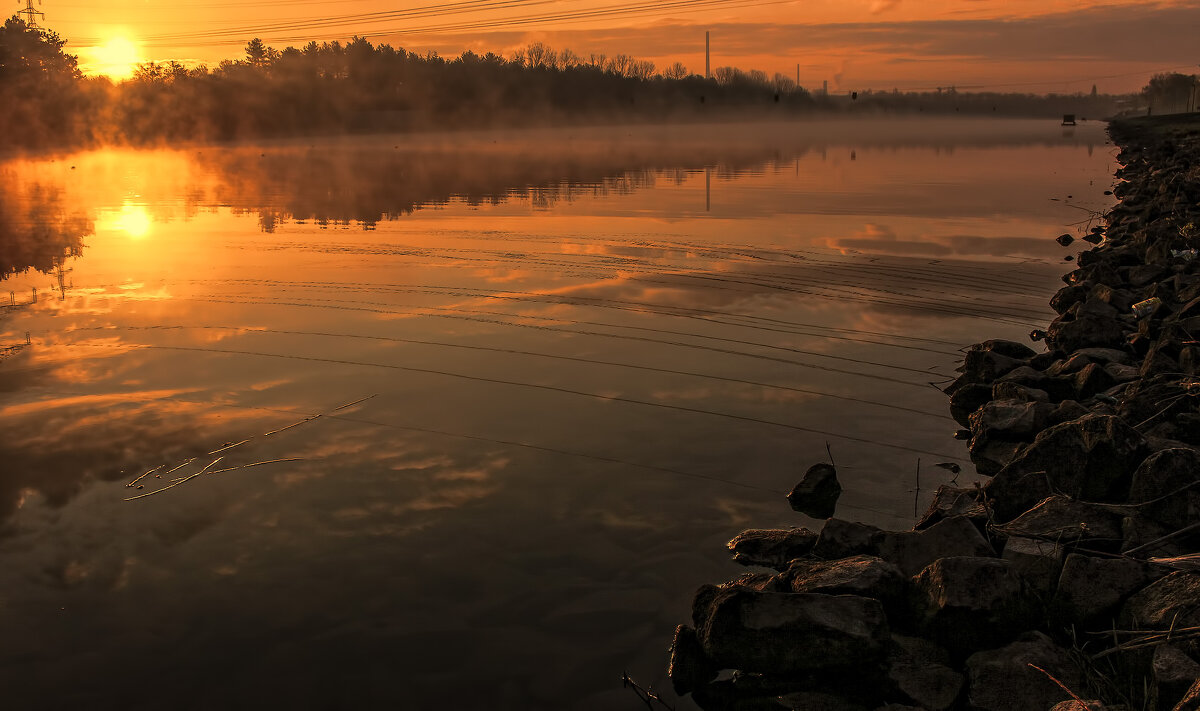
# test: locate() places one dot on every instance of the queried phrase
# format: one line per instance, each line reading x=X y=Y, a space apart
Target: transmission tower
x=30 y=13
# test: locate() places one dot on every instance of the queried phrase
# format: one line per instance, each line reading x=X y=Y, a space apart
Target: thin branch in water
x=257 y=464
x=179 y=466
x=228 y=447
x=352 y=404
x=177 y=483
x=647 y=697
x=135 y=481
x=294 y=424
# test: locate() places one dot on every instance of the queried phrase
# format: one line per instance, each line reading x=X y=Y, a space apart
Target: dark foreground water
x=555 y=372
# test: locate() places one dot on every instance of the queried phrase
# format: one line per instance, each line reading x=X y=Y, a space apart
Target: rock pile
x=1078 y=555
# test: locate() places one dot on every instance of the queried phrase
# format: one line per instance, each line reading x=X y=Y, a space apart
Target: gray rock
x=1009 y=419
x=953 y=501
x=1037 y=561
x=1165 y=603
x=1002 y=680
x=863 y=575
x=1086 y=331
x=1160 y=478
x=817 y=493
x=1018 y=392
x=918 y=669
x=689 y=667
x=1091 y=458
x=771 y=547
x=1121 y=373
x=969 y=603
x=1064 y=519
x=1012 y=492
x=1174 y=671
x=968 y=399
x=1105 y=355
x=1090 y=590
x=1140 y=532
x=815 y=701
x=790 y=633
x=912 y=551
x=841 y=539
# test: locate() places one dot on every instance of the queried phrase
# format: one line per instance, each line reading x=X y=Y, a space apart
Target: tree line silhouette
x=358 y=87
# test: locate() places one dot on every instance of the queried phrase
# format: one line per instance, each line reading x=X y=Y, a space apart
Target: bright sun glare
x=117 y=58
x=133 y=220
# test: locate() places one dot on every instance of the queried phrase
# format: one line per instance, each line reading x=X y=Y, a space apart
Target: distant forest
x=331 y=87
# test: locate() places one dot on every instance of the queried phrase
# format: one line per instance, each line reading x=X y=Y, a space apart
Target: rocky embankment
x=1070 y=579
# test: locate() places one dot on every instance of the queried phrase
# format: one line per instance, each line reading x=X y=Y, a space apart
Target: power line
x=281 y=31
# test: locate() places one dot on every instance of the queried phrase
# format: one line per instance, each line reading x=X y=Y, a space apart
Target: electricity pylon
x=31 y=14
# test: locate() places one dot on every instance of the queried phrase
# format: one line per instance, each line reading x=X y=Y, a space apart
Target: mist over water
x=590 y=357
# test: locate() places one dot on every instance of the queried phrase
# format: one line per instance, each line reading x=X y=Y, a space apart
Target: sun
x=117 y=58
x=132 y=219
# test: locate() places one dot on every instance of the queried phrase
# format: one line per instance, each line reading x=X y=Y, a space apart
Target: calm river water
x=555 y=371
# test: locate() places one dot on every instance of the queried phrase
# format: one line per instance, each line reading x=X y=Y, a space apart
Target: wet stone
x=1002 y=680
x=689 y=667
x=864 y=575
x=912 y=551
x=841 y=539
x=1091 y=458
x=791 y=633
x=771 y=547
x=817 y=493
x=1090 y=590
x=969 y=603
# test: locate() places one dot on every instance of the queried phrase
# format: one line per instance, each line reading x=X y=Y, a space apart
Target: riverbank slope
x=1070 y=569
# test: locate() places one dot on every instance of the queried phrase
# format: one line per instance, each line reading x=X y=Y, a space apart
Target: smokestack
x=707 y=64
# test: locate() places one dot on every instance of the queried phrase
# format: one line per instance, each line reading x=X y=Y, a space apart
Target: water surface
x=579 y=362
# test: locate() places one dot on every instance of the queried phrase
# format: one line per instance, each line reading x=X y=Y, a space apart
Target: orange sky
x=1014 y=45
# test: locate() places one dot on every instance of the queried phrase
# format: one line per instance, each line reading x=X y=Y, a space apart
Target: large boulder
x=1062 y=519
x=789 y=634
x=911 y=551
x=1003 y=680
x=841 y=539
x=1090 y=590
x=1161 y=485
x=1170 y=602
x=1012 y=492
x=689 y=668
x=1092 y=458
x=817 y=493
x=771 y=547
x=920 y=671
x=863 y=575
x=969 y=603
x=953 y=501
x=1174 y=672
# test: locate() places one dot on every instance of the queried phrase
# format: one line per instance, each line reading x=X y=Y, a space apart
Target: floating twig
x=228 y=447
x=257 y=464
x=176 y=483
x=135 y=481
x=310 y=418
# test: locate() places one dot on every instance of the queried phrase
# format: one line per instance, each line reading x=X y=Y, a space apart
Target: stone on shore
x=841 y=539
x=1079 y=599
x=969 y=603
x=1003 y=680
x=790 y=634
x=1092 y=458
x=771 y=547
x=912 y=551
x=817 y=493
